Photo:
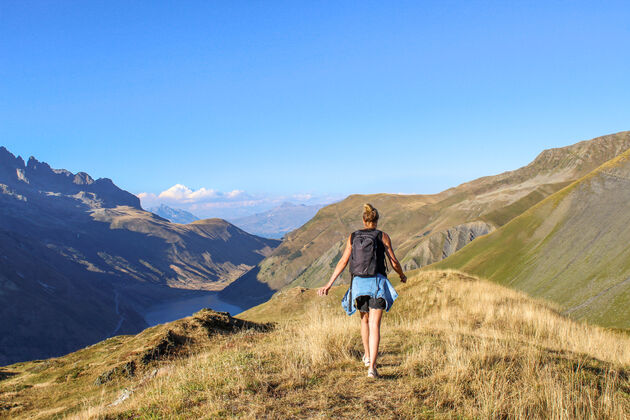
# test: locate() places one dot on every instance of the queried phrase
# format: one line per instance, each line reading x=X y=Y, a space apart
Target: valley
x=194 y=195
x=95 y=264
x=81 y=260
x=539 y=309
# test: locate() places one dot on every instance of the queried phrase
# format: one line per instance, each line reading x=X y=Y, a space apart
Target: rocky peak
x=81 y=178
x=35 y=165
x=37 y=176
x=9 y=161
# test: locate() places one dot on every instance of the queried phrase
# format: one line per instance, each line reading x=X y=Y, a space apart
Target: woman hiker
x=369 y=290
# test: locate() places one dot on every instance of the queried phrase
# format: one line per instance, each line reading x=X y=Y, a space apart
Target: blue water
x=170 y=311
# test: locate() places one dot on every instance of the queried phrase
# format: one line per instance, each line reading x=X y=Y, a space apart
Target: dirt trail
x=358 y=396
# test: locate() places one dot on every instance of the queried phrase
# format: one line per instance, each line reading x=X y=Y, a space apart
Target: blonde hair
x=370 y=214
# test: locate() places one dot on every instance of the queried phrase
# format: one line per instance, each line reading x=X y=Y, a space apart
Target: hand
x=403 y=278
x=323 y=291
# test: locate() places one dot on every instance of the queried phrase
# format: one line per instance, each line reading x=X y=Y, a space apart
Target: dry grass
x=453 y=346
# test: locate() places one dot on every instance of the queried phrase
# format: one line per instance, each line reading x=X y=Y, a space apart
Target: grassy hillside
x=59 y=386
x=571 y=248
x=452 y=346
x=423 y=227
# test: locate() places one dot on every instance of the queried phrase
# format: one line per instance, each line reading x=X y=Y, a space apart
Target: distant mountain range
x=424 y=228
x=174 y=215
x=278 y=221
x=80 y=259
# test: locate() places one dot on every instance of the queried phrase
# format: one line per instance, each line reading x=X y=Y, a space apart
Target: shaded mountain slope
x=47 y=306
x=571 y=248
x=421 y=224
x=83 y=254
x=204 y=255
x=453 y=346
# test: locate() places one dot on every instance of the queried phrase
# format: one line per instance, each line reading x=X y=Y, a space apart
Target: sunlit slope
x=572 y=248
x=425 y=228
x=453 y=346
x=326 y=232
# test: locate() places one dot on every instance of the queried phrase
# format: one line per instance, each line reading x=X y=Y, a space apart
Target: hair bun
x=370 y=214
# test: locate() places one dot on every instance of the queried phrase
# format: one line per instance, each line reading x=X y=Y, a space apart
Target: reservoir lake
x=181 y=308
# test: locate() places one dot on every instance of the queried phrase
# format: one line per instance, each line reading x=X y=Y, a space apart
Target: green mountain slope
x=571 y=248
x=424 y=228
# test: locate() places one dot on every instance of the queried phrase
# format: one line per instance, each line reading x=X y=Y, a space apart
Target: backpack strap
x=351 y=275
x=352 y=235
x=380 y=238
x=351 y=252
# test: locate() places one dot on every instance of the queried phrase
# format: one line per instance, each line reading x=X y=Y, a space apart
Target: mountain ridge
x=416 y=223
x=568 y=248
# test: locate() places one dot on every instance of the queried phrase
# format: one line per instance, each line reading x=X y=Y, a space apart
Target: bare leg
x=365 y=333
x=375 y=334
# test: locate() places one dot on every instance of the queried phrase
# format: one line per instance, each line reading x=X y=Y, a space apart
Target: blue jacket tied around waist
x=376 y=287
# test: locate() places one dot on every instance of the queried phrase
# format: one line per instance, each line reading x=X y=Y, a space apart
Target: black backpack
x=368 y=253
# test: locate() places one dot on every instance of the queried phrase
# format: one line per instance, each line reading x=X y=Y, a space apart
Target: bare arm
x=343 y=261
x=392 y=257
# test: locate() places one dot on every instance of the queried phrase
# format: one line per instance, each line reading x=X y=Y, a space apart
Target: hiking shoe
x=372 y=373
x=365 y=360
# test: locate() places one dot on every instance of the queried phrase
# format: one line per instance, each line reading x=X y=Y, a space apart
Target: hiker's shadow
x=386 y=364
x=359 y=353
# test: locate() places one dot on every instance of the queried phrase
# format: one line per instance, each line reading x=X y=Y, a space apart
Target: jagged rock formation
x=439 y=245
x=35 y=177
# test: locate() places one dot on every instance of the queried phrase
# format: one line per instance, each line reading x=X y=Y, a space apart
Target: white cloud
x=234 y=193
x=147 y=196
x=208 y=202
x=302 y=197
x=179 y=192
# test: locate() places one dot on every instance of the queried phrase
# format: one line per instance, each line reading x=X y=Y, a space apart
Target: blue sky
x=263 y=99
